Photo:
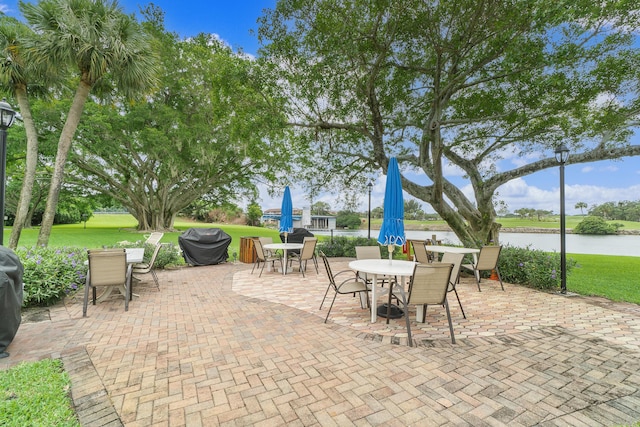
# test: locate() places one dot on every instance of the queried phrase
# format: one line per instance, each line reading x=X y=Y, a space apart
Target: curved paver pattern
x=218 y=346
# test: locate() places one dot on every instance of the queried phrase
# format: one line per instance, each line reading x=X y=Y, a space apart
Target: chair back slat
x=156 y=251
x=488 y=258
x=368 y=252
x=108 y=268
x=146 y=267
x=420 y=251
x=154 y=238
x=308 y=248
x=456 y=261
x=429 y=283
x=257 y=244
x=327 y=267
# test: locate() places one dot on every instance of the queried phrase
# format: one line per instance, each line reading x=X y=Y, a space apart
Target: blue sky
x=232 y=21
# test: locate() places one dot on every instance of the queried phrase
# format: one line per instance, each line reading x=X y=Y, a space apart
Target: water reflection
x=576 y=243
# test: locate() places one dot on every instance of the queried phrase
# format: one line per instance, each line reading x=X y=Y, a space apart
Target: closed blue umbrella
x=392 y=230
x=286 y=214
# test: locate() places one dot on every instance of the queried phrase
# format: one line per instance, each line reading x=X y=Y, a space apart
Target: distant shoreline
x=541 y=230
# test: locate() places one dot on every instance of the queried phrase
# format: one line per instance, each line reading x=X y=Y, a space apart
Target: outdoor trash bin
x=247 y=249
x=11 y=294
x=204 y=246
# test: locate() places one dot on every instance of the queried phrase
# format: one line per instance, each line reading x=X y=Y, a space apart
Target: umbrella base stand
x=395 y=312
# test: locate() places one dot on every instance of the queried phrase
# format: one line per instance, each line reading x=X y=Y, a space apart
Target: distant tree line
x=620 y=211
x=531 y=213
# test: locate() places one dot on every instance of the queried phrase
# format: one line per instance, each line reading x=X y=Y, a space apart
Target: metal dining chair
x=456 y=260
x=428 y=286
x=306 y=253
x=148 y=267
x=107 y=268
x=263 y=258
x=487 y=261
x=420 y=252
x=352 y=284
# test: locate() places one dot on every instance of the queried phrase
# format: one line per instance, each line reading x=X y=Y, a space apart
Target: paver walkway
x=219 y=346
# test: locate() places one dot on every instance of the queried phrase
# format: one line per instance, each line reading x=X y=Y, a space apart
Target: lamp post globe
x=562 y=155
x=7 y=117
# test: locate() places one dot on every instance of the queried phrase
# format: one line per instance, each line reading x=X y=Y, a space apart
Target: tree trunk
x=64 y=145
x=22 y=211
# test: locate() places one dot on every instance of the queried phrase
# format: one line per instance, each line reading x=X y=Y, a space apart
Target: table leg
x=374 y=301
x=285 y=264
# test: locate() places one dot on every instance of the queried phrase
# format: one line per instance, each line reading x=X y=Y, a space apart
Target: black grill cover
x=297 y=236
x=11 y=293
x=204 y=246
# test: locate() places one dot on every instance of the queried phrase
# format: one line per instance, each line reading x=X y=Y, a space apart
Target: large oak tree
x=462 y=83
x=211 y=131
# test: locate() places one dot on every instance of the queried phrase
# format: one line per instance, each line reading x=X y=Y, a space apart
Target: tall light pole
x=7 y=116
x=562 y=155
x=370 y=185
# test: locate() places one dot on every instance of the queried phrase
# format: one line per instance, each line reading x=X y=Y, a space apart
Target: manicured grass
x=36 y=394
x=612 y=277
x=108 y=229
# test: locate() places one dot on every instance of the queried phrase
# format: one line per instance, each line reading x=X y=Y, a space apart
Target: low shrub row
x=524 y=266
x=50 y=274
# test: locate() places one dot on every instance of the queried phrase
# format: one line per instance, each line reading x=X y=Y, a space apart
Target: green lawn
x=109 y=229
x=612 y=277
x=36 y=394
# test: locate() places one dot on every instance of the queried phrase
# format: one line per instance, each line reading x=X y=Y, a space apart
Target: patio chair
x=263 y=258
x=154 y=238
x=370 y=252
x=487 y=261
x=420 y=252
x=315 y=255
x=350 y=285
x=428 y=286
x=456 y=260
x=148 y=267
x=107 y=268
x=266 y=241
x=306 y=253
x=429 y=242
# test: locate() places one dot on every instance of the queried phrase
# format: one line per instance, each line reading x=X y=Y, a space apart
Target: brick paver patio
x=219 y=346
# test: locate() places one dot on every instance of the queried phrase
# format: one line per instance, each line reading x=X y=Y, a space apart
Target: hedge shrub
x=524 y=266
x=50 y=274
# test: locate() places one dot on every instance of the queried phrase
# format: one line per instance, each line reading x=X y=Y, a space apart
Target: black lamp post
x=370 y=185
x=7 y=116
x=562 y=155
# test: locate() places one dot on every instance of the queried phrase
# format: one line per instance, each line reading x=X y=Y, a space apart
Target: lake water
x=576 y=243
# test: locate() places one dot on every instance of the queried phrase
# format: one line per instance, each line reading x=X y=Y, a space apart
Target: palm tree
x=581 y=206
x=107 y=50
x=17 y=74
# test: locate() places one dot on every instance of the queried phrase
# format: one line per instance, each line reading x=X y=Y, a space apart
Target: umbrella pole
x=390 y=247
x=285 y=236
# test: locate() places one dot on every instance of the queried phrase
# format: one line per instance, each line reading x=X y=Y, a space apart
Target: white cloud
x=518 y=194
x=587 y=169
